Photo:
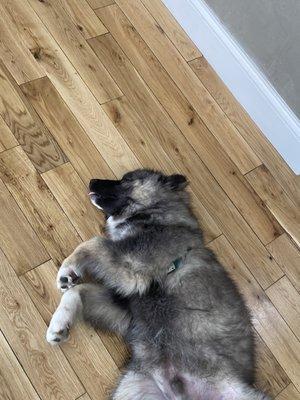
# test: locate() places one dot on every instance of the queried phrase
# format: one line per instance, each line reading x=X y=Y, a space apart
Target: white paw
x=59 y=327
x=66 y=278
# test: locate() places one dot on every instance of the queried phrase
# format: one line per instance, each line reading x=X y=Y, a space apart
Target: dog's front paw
x=67 y=277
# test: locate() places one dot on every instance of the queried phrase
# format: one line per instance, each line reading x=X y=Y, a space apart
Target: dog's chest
x=117 y=228
x=153 y=314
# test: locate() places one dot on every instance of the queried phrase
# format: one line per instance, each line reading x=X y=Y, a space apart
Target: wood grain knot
x=37 y=52
x=116 y=115
x=191 y=121
x=160 y=29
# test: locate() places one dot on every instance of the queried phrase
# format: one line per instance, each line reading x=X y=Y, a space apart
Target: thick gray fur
x=189 y=330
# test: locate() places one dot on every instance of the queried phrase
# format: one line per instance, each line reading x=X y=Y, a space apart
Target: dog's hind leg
x=92 y=302
x=69 y=309
x=104 y=309
x=135 y=386
x=235 y=390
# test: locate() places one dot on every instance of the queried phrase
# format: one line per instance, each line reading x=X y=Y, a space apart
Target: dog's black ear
x=177 y=181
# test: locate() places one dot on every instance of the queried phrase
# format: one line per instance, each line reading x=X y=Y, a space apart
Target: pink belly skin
x=193 y=388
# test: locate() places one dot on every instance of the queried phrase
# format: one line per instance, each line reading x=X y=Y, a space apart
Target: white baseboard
x=240 y=74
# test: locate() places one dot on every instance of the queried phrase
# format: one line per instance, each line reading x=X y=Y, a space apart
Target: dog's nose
x=92 y=184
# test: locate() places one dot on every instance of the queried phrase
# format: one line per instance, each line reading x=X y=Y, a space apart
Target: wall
x=269 y=31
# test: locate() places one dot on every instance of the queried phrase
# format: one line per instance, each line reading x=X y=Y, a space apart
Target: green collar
x=174 y=265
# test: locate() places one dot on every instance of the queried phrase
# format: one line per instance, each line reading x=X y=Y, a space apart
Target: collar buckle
x=175 y=265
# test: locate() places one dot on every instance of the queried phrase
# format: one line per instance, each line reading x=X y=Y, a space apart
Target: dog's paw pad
x=66 y=278
x=56 y=337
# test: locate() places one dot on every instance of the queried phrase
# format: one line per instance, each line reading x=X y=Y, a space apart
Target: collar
x=175 y=265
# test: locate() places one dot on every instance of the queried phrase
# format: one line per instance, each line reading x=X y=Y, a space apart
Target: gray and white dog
x=156 y=284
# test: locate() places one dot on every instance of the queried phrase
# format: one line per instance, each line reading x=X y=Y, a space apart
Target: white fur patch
x=112 y=222
x=137 y=387
x=114 y=231
x=93 y=201
x=64 y=317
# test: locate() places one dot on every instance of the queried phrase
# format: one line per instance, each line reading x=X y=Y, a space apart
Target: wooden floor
x=94 y=88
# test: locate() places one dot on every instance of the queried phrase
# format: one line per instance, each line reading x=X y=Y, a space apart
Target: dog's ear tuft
x=177 y=182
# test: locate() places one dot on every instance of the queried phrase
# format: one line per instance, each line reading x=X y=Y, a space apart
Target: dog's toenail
x=64 y=279
x=74 y=276
x=64 y=287
x=56 y=339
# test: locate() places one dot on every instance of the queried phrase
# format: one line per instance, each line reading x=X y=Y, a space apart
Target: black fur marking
x=119 y=300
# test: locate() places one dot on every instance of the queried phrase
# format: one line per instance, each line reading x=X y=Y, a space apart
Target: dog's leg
x=103 y=309
x=92 y=302
x=103 y=261
x=76 y=264
x=235 y=390
x=250 y=393
x=135 y=386
x=69 y=309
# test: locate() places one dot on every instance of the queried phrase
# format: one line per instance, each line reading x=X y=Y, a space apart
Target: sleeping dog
x=155 y=283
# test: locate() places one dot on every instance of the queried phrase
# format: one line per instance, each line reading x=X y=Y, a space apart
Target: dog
x=155 y=283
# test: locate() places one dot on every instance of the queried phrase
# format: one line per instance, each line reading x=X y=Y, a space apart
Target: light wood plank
x=34 y=138
x=247 y=128
x=40 y=284
x=37 y=203
x=270 y=377
x=1 y=146
x=100 y=3
x=210 y=112
x=24 y=329
x=14 y=384
x=71 y=194
x=141 y=140
x=84 y=18
x=171 y=27
x=287 y=301
x=18 y=241
x=267 y=321
x=169 y=137
x=276 y=200
x=7 y=139
x=67 y=131
x=288 y=257
x=290 y=393
x=14 y=54
x=188 y=121
x=138 y=134
x=73 y=90
x=85 y=351
x=84 y=397
x=61 y=27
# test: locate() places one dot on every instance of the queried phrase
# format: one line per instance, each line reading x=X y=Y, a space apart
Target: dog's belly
x=175 y=385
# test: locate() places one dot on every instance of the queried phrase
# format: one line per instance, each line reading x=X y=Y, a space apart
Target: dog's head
x=137 y=191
